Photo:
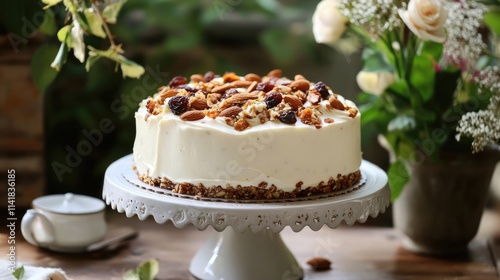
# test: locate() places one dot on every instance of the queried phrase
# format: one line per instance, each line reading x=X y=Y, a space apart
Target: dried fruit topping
x=275 y=73
x=293 y=101
x=273 y=99
x=319 y=263
x=322 y=89
x=314 y=97
x=336 y=104
x=265 y=87
x=187 y=88
x=150 y=105
x=230 y=77
x=192 y=116
x=178 y=104
x=177 y=81
x=208 y=76
x=253 y=77
x=288 y=117
x=241 y=125
x=199 y=104
x=302 y=85
x=230 y=112
x=230 y=92
x=196 y=78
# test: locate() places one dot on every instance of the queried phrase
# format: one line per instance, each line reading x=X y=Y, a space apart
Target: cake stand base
x=246 y=244
x=245 y=256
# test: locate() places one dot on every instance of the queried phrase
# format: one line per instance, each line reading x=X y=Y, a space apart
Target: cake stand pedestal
x=252 y=248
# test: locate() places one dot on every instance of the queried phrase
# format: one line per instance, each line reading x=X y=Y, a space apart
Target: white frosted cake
x=247 y=137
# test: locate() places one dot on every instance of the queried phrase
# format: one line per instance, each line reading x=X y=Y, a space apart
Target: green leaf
x=398 y=177
x=432 y=50
x=128 y=67
x=145 y=271
x=48 y=26
x=19 y=273
x=95 y=26
x=492 y=20
x=61 y=57
x=400 y=87
x=422 y=76
x=50 y=3
x=41 y=72
x=110 y=13
x=62 y=34
x=375 y=61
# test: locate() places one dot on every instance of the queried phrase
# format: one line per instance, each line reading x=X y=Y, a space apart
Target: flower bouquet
x=430 y=77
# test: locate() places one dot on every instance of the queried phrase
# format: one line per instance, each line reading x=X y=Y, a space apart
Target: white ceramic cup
x=64 y=222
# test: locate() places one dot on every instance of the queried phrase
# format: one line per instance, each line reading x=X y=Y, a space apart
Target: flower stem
x=104 y=24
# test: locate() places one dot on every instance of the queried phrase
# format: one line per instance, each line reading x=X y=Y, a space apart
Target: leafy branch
x=87 y=19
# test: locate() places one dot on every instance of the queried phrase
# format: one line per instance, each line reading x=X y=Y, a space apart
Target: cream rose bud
x=375 y=82
x=426 y=19
x=328 y=23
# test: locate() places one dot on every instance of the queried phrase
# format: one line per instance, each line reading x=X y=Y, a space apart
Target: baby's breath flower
x=482 y=126
x=464 y=43
x=376 y=16
x=488 y=79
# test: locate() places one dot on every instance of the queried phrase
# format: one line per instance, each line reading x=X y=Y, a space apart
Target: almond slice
x=192 y=115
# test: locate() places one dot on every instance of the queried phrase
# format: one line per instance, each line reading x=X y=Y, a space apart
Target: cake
x=247 y=137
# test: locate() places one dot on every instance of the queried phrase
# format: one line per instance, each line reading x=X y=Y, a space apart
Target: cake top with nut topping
x=250 y=100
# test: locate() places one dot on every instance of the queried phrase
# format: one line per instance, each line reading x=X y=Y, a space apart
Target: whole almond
x=196 y=78
x=293 y=101
x=230 y=112
x=319 y=263
x=336 y=104
x=192 y=115
x=235 y=84
x=166 y=93
x=199 y=104
x=253 y=77
x=299 y=77
x=275 y=73
x=302 y=85
x=238 y=98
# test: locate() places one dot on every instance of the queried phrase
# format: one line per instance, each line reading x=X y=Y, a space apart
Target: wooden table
x=357 y=252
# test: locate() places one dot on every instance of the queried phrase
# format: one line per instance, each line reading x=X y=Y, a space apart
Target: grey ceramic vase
x=440 y=208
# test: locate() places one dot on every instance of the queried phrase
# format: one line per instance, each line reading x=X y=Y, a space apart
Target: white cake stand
x=253 y=248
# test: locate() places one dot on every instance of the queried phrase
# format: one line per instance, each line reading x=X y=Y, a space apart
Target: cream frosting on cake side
x=209 y=152
x=241 y=136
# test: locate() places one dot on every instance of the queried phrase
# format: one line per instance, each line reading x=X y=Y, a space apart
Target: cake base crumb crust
x=262 y=191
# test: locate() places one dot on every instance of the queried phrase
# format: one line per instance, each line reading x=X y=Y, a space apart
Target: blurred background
x=51 y=122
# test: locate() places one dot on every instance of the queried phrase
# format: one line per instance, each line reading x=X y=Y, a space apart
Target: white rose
x=328 y=23
x=426 y=18
x=375 y=82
